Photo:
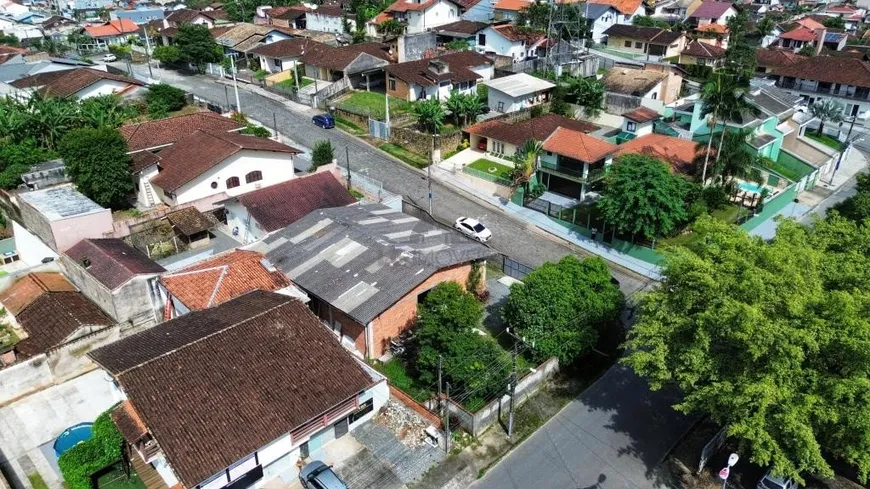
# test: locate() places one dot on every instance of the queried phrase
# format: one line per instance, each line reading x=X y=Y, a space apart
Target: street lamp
x=726 y=471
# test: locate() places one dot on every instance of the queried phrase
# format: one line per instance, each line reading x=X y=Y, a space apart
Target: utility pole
x=846 y=146
x=513 y=389
x=347 y=164
x=440 y=404
x=429 y=171
x=275 y=127
x=148 y=52
x=227 y=95
x=296 y=71
x=447 y=422
x=235 y=84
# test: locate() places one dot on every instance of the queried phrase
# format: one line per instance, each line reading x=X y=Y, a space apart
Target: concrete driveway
x=38 y=419
x=613 y=436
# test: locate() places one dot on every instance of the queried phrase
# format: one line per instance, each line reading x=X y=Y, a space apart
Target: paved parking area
x=38 y=419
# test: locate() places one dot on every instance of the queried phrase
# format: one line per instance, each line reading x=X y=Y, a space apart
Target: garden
x=373 y=104
x=98 y=456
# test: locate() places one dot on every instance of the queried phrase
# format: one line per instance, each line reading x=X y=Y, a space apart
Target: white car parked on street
x=109 y=58
x=473 y=229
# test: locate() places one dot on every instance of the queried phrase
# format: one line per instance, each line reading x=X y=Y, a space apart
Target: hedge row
x=103 y=449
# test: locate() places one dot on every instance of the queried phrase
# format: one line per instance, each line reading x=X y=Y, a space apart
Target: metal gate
x=379 y=129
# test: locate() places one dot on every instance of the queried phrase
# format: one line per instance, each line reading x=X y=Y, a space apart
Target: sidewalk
x=544 y=223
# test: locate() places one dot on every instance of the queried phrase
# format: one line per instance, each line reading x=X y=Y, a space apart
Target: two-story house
x=424 y=15
x=599 y=18
x=842 y=79
x=573 y=163
x=653 y=41
x=326 y=18
x=438 y=77
x=712 y=12
x=628 y=9
x=510 y=41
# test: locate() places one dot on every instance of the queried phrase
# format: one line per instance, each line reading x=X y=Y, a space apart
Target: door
x=341 y=428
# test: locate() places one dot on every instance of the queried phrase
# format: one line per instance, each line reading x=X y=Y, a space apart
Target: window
x=254 y=176
x=481 y=39
x=278 y=64
x=701 y=61
x=500 y=107
x=630 y=126
x=392 y=84
x=654 y=96
x=638 y=45
x=233 y=182
x=628 y=44
x=626 y=18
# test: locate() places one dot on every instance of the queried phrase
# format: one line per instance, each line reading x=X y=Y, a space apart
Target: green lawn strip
x=403 y=154
x=374 y=103
x=348 y=126
x=37 y=481
x=727 y=214
x=826 y=140
x=495 y=169
x=116 y=479
x=396 y=372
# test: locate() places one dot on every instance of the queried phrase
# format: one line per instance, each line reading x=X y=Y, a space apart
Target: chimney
x=438 y=66
x=820 y=39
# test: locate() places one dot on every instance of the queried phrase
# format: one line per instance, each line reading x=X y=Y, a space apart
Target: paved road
x=613 y=436
x=511 y=237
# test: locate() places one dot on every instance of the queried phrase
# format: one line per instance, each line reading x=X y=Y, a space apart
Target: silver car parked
x=318 y=475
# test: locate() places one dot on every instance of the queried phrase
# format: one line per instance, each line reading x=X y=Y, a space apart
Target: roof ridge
x=203 y=338
x=90 y=241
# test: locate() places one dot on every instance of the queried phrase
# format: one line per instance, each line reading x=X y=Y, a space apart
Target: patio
x=492 y=183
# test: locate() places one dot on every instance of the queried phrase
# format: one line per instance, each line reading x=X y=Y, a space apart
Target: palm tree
x=720 y=97
x=49 y=118
x=826 y=110
x=765 y=26
x=733 y=160
x=525 y=164
x=430 y=115
x=391 y=27
x=455 y=105
x=472 y=106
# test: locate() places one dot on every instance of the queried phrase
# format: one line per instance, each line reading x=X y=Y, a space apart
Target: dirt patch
x=408 y=428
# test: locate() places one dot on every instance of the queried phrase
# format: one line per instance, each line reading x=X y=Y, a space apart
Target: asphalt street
x=518 y=240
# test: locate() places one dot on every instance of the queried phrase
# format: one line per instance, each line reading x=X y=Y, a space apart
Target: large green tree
x=857 y=207
x=97 y=162
x=197 y=46
x=740 y=55
x=643 y=198
x=588 y=93
x=561 y=308
x=430 y=115
x=722 y=100
x=18 y=158
x=771 y=340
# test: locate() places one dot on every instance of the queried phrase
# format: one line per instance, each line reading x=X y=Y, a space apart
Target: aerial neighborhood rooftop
x=434 y=244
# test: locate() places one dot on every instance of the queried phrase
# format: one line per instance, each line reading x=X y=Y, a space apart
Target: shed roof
x=58 y=203
x=112 y=261
x=519 y=85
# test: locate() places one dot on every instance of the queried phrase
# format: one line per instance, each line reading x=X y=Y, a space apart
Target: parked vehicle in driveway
x=325 y=121
x=318 y=475
x=109 y=58
x=473 y=229
x=770 y=481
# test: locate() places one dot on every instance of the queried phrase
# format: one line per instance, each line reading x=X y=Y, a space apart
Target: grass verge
x=826 y=140
x=37 y=481
x=413 y=159
x=348 y=126
x=398 y=375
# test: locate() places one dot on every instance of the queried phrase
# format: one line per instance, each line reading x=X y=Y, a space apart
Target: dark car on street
x=325 y=121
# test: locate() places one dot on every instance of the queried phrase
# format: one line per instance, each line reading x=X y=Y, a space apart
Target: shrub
x=165 y=96
x=322 y=154
x=258 y=131
x=103 y=449
x=239 y=117
x=167 y=54
x=121 y=51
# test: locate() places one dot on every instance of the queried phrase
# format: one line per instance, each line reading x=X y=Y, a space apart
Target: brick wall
x=415 y=406
x=402 y=315
x=402 y=88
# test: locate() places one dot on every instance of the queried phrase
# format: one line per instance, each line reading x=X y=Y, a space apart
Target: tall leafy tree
x=536 y=16
x=588 y=93
x=197 y=46
x=430 y=115
x=48 y=118
x=105 y=111
x=561 y=308
x=643 y=197
x=391 y=28
x=733 y=160
x=857 y=207
x=722 y=100
x=18 y=158
x=97 y=162
x=740 y=55
x=769 y=339
x=765 y=26
x=826 y=110
x=454 y=105
x=526 y=164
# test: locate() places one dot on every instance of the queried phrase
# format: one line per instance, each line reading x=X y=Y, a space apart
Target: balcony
x=571 y=173
x=825 y=89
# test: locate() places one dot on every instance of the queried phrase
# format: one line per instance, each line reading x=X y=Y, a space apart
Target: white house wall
x=102 y=87
x=30 y=248
x=498 y=44
x=243 y=226
x=438 y=14
x=325 y=23
x=485 y=71
x=483 y=11
x=603 y=23
x=276 y=168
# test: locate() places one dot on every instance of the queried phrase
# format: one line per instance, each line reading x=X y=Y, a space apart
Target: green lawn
x=727 y=214
x=826 y=140
x=290 y=83
x=398 y=375
x=37 y=481
x=116 y=479
x=403 y=154
x=374 y=103
x=495 y=169
x=348 y=126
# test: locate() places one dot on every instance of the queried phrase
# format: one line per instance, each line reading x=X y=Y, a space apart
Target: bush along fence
x=478 y=422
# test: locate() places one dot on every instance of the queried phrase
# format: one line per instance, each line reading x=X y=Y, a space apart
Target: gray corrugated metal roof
x=60 y=202
x=364 y=258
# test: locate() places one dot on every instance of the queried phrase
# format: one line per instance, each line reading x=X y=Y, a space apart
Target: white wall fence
x=477 y=423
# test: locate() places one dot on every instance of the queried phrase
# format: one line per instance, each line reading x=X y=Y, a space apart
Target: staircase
x=148 y=474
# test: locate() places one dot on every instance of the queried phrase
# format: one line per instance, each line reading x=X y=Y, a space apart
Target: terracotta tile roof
x=53 y=317
x=339 y=59
x=128 y=422
x=220 y=279
x=459 y=66
x=512 y=5
x=717 y=28
x=538 y=128
x=462 y=27
x=232 y=378
x=115 y=27
x=641 y=114
x=810 y=23
x=511 y=33
x=577 y=145
x=189 y=221
x=700 y=49
x=625 y=7
x=799 y=34
x=287 y=48
x=410 y=5
x=31 y=287
x=629 y=81
x=280 y=205
x=772 y=58
x=843 y=70
x=710 y=10
x=112 y=261
x=328 y=11
x=167 y=131
x=68 y=82
x=679 y=153
x=652 y=35
x=142 y=160
x=201 y=151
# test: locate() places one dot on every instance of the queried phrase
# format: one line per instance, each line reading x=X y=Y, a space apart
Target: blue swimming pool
x=750 y=187
x=72 y=436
